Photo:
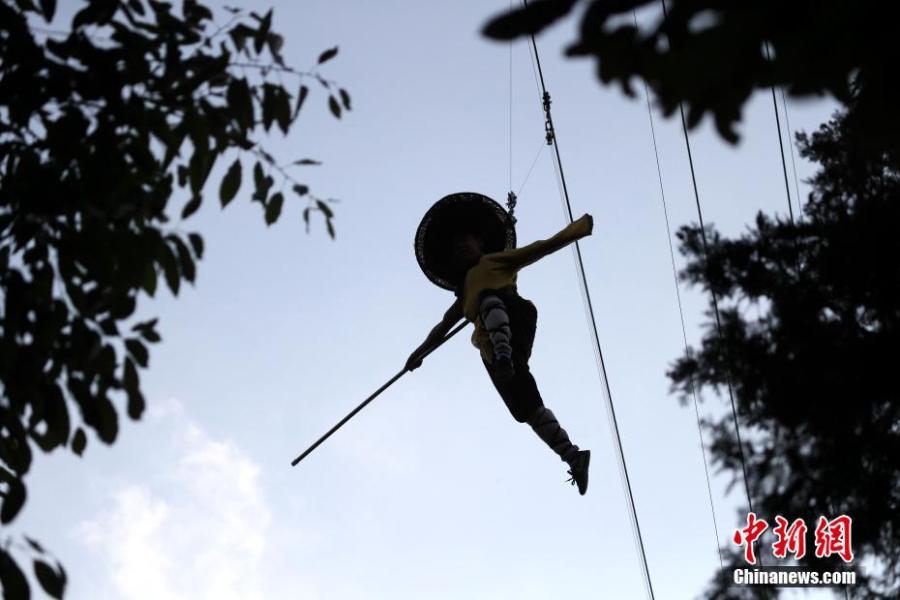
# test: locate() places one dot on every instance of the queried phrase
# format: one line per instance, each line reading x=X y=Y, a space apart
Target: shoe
x=579 y=470
x=503 y=367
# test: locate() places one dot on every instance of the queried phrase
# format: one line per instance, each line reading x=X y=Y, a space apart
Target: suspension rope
x=512 y=196
x=787 y=187
x=531 y=168
x=687 y=351
x=613 y=421
x=510 y=110
x=715 y=299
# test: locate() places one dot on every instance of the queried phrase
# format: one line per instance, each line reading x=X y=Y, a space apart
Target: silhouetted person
x=466 y=243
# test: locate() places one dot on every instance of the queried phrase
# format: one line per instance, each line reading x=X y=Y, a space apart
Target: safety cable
x=613 y=421
x=787 y=187
x=665 y=208
x=787 y=122
x=715 y=298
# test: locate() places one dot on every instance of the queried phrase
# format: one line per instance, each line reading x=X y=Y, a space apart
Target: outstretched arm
x=521 y=257
x=436 y=335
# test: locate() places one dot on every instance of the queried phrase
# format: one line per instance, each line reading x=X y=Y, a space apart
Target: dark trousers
x=520 y=393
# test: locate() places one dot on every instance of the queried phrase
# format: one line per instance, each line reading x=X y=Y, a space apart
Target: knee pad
x=493 y=312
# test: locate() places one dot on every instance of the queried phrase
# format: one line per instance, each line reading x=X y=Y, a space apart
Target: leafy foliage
x=814 y=375
x=712 y=55
x=100 y=128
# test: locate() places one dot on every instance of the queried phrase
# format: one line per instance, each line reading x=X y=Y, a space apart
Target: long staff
x=362 y=405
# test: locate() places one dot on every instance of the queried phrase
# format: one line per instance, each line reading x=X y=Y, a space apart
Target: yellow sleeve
x=524 y=256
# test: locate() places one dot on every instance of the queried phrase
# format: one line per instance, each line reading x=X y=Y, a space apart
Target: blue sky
x=434 y=490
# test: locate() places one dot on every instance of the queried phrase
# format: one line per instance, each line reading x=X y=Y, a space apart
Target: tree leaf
x=334 y=107
x=197 y=244
x=263 y=183
x=231 y=183
x=136 y=405
x=170 y=267
x=130 y=378
x=345 y=98
x=185 y=260
x=326 y=210
x=55 y=414
x=191 y=207
x=95 y=12
x=144 y=325
x=268 y=105
x=239 y=34
x=240 y=102
x=108 y=326
x=276 y=43
x=123 y=306
x=262 y=33
x=301 y=96
x=174 y=141
x=258 y=175
x=150 y=335
x=300 y=190
x=48 y=7
x=196 y=12
x=138 y=351
x=105 y=420
x=16 y=453
x=282 y=109
x=528 y=20
x=328 y=55
x=35 y=545
x=53 y=581
x=14 y=498
x=149 y=280
x=273 y=208
x=307 y=161
x=15 y=586
x=183 y=175
x=79 y=441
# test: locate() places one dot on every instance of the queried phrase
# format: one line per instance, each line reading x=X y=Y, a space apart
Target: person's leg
x=519 y=393
x=522 y=397
x=495 y=318
x=545 y=425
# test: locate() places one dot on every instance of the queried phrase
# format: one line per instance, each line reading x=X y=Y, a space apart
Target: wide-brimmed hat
x=463 y=212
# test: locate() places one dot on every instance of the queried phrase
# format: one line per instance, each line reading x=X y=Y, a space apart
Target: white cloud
x=201 y=533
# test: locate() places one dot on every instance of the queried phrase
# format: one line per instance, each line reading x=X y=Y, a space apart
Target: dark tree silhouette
x=814 y=375
x=100 y=127
x=711 y=56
